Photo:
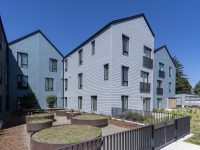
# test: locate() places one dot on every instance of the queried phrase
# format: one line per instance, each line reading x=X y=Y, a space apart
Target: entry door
x=146 y=104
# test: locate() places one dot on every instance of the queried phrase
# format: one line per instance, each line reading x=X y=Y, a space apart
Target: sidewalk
x=181 y=145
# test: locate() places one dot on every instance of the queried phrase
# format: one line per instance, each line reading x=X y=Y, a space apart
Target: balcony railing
x=147 y=62
x=161 y=74
x=159 y=91
x=144 y=87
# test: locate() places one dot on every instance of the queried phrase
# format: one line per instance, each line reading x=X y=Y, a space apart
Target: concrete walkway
x=181 y=145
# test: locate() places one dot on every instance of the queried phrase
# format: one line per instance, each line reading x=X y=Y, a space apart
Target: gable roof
x=107 y=26
x=31 y=34
x=165 y=47
x=1 y=24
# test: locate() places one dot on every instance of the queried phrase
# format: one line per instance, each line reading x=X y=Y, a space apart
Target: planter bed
x=62 y=112
x=89 y=119
x=72 y=114
x=63 y=135
x=36 y=125
x=39 y=116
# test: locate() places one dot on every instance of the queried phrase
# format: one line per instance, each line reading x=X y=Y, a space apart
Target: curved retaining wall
x=30 y=118
x=96 y=123
x=61 y=113
x=70 y=114
x=32 y=127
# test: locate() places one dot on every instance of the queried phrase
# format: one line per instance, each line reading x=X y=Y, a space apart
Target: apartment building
x=35 y=66
x=164 y=78
x=112 y=69
x=3 y=71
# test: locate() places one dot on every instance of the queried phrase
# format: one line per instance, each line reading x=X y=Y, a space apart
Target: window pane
x=66 y=84
x=125 y=76
x=66 y=65
x=93 y=47
x=147 y=52
x=161 y=66
x=65 y=101
x=106 y=71
x=125 y=43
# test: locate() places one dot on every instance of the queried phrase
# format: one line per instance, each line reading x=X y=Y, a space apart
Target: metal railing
x=161 y=74
x=147 y=62
x=145 y=87
x=159 y=91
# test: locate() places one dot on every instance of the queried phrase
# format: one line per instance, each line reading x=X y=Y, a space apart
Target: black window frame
x=19 y=83
x=125 y=50
x=66 y=65
x=1 y=73
x=159 y=84
x=93 y=44
x=80 y=54
x=170 y=71
x=106 y=72
x=124 y=82
x=21 y=57
x=142 y=76
x=92 y=103
x=66 y=84
x=47 y=88
x=163 y=65
x=123 y=99
x=80 y=102
x=52 y=65
x=80 y=80
x=147 y=49
x=65 y=102
x=170 y=87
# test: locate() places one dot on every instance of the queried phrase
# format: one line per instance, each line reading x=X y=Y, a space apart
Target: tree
x=51 y=101
x=182 y=83
x=197 y=88
x=28 y=101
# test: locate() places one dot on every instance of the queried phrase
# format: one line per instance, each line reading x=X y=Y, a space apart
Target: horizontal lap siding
x=93 y=75
x=139 y=36
x=163 y=57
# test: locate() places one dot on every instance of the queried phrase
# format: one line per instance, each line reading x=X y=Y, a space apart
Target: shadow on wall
x=19 y=83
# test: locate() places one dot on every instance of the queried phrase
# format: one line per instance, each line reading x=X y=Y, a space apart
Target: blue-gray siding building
x=35 y=66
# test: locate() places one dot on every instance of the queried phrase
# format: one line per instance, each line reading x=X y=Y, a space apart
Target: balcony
x=144 y=87
x=147 y=62
x=159 y=91
x=161 y=74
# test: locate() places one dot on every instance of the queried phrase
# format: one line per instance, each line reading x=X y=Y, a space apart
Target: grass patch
x=64 y=110
x=195 y=139
x=90 y=117
x=40 y=115
x=67 y=134
x=40 y=121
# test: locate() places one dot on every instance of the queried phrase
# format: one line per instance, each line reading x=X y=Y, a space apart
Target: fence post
x=152 y=137
x=176 y=129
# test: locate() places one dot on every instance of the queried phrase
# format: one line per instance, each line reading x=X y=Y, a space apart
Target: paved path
x=181 y=145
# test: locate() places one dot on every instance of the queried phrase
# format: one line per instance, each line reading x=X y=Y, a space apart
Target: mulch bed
x=124 y=124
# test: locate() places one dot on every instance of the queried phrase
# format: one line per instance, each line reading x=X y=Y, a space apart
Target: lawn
x=194 y=122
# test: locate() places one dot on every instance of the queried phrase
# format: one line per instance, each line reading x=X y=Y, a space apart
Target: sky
x=67 y=23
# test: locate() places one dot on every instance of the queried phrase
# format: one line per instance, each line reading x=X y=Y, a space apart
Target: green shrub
x=28 y=101
x=51 y=101
x=134 y=117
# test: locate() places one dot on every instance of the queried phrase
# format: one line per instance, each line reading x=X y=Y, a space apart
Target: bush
x=134 y=117
x=51 y=101
x=28 y=101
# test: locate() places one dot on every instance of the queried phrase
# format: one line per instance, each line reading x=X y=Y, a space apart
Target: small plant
x=28 y=101
x=51 y=101
x=134 y=117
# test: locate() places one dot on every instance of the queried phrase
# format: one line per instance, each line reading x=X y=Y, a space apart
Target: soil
x=124 y=124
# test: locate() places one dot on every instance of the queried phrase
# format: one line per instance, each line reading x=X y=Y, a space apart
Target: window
x=147 y=52
x=1 y=73
x=22 y=82
x=1 y=104
x=170 y=87
x=66 y=84
x=80 y=57
x=80 y=80
x=52 y=65
x=161 y=66
x=159 y=84
x=66 y=65
x=124 y=76
x=22 y=59
x=65 y=101
x=124 y=103
x=80 y=102
x=49 y=84
x=159 y=103
x=125 y=44
x=106 y=72
x=146 y=104
x=94 y=103
x=170 y=71
x=145 y=77
x=93 y=47
x=19 y=100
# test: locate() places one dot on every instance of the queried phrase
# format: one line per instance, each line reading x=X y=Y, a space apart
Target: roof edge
x=31 y=34
x=165 y=47
x=4 y=33
x=108 y=25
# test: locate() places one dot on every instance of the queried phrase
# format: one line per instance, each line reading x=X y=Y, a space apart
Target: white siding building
x=164 y=78
x=113 y=68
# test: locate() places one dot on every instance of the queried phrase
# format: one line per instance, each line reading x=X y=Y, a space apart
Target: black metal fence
x=150 y=137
